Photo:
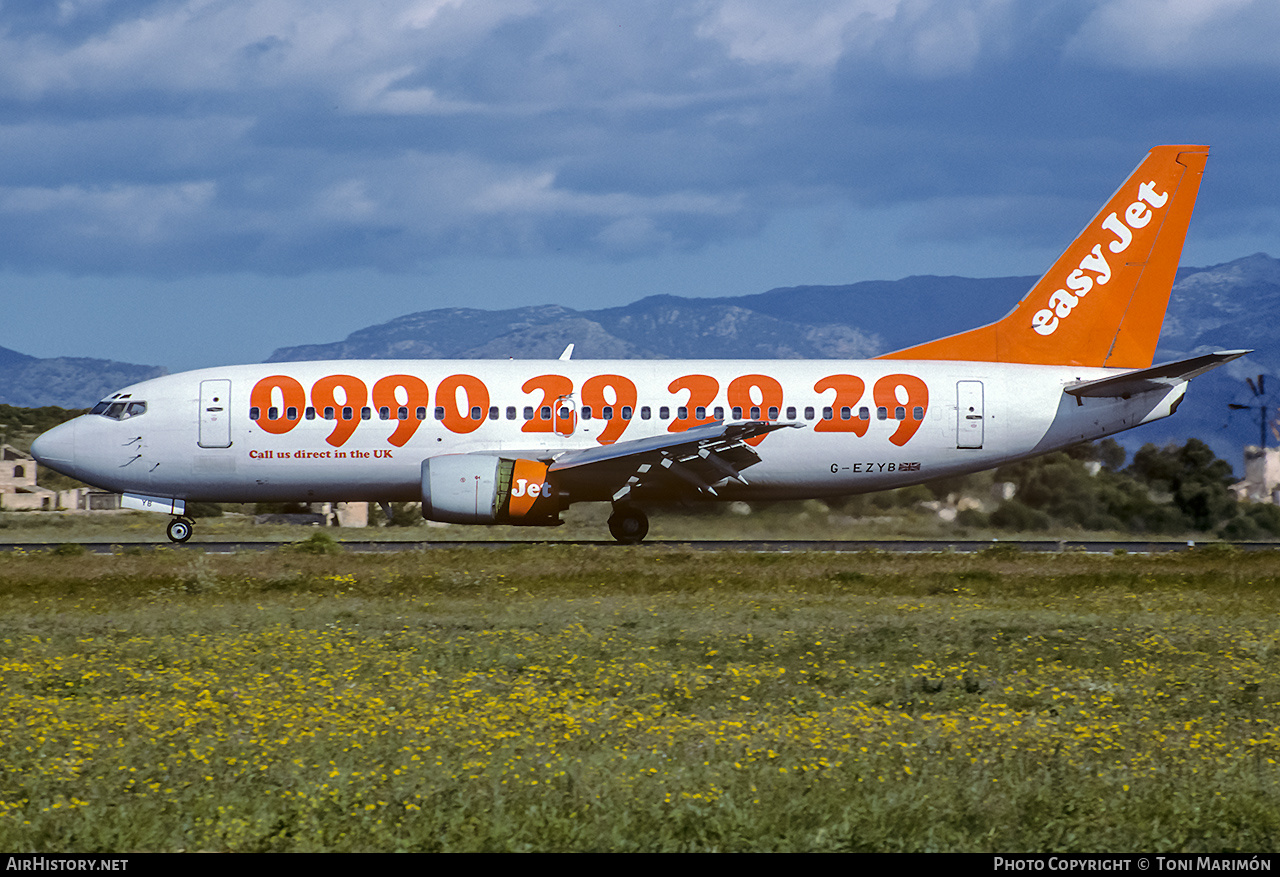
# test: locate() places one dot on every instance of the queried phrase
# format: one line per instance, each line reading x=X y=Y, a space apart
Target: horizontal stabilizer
x=1157 y=377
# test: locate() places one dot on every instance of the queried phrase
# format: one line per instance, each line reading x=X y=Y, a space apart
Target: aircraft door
x=969 y=414
x=215 y=414
x=564 y=417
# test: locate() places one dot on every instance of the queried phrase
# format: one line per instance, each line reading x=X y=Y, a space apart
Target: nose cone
x=57 y=448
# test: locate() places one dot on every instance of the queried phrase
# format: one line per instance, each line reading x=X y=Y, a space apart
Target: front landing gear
x=179 y=529
x=628 y=524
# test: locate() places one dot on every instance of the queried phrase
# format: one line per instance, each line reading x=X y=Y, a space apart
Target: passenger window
x=682 y=413
x=791 y=413
x=808 y=413
x=402 y=413
x=366 y=413
x=511 y=412
x=493 y=413
x=384 y=413
x=439 y=413
x=310 y=413
x=645 y=413
x=477 y=413
x=864 y=413
x=586 y=412
x=273 y=413
x=606 y=413
x=626 y=412
x=846 y=413
x=899 y=413
x=737 y=412
x=528 y=412
x=755 y=412
x=329 y=412
x=718 y=413
x=254 y=413
x=701 y=412
x=773 y=412
x=422 y=412
x=917 y=413
x=291 y=413
x=664 y=413
x=828 y=413
x=882 y=413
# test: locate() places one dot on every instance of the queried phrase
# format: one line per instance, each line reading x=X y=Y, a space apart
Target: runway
x=779 y=546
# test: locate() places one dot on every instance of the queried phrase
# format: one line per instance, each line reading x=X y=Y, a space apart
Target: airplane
x=517 y=442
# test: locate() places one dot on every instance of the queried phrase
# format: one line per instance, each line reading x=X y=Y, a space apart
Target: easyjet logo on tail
x=1062 y=303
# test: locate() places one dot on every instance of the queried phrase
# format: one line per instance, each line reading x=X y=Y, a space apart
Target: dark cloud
x=281 y=136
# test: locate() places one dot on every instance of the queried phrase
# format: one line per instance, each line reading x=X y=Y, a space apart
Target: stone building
x=18 y=489
x=1261 y=475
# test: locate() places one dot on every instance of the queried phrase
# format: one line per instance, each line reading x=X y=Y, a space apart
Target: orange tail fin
x=1103 y=302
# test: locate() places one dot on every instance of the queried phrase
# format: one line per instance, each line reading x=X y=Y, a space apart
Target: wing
x=663 y=466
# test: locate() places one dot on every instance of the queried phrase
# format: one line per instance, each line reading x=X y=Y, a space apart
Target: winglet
x=568 y=352
x=1103 y=302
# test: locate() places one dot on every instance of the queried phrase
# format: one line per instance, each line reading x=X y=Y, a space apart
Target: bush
x=403 y=514
x=1015 y=515
x=319 y=542
x=69 y=549
x=1060 y=488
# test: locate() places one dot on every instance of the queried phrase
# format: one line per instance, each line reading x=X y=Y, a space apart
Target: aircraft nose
x=57 y=448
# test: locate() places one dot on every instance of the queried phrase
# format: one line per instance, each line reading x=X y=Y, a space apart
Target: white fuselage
x=263 y=432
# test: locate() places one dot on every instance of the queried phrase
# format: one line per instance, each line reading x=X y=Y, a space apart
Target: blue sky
x=195 y=182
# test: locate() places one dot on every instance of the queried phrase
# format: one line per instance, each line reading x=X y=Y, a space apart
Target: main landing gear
x=179 y=529
x=628 y=524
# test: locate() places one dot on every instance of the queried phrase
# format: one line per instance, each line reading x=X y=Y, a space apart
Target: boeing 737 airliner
x=517 y=442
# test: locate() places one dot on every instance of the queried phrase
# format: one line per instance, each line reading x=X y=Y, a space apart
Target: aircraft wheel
x=179 y=530
x=628 y=525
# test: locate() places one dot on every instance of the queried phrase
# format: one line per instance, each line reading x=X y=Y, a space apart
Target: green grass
x=606 y=698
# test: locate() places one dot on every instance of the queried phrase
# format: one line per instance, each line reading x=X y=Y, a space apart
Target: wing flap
x=698 y=459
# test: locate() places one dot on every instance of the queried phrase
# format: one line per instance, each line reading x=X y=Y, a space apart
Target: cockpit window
x=119 y=410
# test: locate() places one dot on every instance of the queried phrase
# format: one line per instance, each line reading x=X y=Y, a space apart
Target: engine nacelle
x=487 y=489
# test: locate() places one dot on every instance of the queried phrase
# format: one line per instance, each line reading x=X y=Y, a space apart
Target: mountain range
x=1233 y=305
x=64 y=381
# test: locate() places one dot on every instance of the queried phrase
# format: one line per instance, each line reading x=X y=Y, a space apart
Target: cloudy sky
x=195 y=182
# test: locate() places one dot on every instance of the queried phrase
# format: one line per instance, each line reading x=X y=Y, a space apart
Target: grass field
x=579 y=698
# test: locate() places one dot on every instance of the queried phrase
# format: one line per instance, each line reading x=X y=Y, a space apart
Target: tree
x=1198 y=481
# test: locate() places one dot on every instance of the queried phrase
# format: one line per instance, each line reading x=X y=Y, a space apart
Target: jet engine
x=487 y=489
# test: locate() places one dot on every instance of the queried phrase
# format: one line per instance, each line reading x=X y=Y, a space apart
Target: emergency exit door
x=969 y=415
x=215 y=414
